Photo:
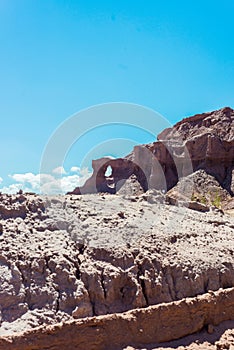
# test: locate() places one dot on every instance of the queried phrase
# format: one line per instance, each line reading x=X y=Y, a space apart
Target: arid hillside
x=124 y=263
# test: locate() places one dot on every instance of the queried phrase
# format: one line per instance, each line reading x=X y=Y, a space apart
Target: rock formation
x=122 y=169
x=202 y=188
x=204 y=141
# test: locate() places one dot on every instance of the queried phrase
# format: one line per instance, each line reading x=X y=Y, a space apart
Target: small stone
x=121 y=215
x=210 y=329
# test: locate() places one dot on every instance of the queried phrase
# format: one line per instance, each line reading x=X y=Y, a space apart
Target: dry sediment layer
x=158 y=323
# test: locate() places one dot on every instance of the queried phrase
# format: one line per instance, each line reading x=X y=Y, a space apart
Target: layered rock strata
x=159 y=323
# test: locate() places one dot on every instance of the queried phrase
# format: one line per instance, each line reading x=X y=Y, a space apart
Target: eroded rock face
x=79 y=256
x=138 y=328
x=209 y=139
x=201 y=189
x=204 y=141
x=218 y=123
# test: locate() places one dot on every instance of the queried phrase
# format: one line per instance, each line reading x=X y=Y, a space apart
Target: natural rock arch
x=122 y=169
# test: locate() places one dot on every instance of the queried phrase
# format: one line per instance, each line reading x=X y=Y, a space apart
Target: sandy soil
x=222 y=337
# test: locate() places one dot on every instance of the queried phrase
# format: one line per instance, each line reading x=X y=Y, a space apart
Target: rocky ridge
x=204 y=141
x=145 y=326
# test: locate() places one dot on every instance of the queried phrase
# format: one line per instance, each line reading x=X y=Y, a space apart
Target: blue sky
x=59 y=57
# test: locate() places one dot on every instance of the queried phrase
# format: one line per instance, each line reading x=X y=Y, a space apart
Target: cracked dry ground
x=78 y=256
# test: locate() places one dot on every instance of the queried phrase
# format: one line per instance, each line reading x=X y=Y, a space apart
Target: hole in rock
x=108 y=171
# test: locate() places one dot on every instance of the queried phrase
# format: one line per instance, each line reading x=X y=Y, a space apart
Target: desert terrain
x=122 y=263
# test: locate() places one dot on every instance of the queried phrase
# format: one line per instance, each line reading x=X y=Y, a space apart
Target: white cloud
x=32 y=181
x=75 y=169
x=63 y=185
x=68 y=183
x=1 y=180
x=84 y=172
x=59 y=170
x=14 y=188
x=46 y=183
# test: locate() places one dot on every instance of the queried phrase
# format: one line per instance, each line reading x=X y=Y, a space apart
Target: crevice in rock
x=26 y=284
x=143 y=287
x=103 y=284
x=91 y=302
x=23 y=281
x=75 y=264
x=174 y=285
x=218 y=222
x=82 y=248
x=57 y=302
x=47 y=263
x=141 y=281
x=170 y=281
x=206 y=284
